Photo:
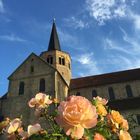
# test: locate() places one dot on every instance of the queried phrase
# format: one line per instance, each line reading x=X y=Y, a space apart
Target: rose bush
x=75 y=114
x=72 y=119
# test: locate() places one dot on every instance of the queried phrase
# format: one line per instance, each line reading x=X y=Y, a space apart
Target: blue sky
x=101 y=35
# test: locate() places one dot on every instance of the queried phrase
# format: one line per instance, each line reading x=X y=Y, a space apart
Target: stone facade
x=54 y=67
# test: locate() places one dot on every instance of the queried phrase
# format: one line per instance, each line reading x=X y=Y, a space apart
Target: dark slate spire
x=54 y=40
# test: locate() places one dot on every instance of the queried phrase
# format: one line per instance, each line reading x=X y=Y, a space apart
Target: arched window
x=21 y=88
x=78 y=94
x=111 y=93
x=60 y=60
x=138 y=119
x=94 y=93
x=42 y=85
x=129 y=91
x=32 y=69
x=50 y=59
x=63 y=61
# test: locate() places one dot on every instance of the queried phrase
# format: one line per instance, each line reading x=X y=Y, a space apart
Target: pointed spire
x=54 y=40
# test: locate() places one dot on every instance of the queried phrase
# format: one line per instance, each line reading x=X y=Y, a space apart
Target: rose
x=40 y=101
x=13 y=126
x=124 y=135
x=125 y=125
x=33 y=129
x=75 y=114
x=116 y=117
x=100 y=100
x=101 y=110
x=98 y=137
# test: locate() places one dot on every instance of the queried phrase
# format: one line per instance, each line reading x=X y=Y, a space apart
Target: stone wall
x=118 y=88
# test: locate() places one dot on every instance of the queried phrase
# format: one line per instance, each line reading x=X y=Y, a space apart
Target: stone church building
x=50 y=73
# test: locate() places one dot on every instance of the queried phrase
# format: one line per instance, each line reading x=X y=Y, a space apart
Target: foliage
x=73 y=119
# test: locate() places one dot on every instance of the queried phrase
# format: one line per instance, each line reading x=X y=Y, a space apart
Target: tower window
x=50 y=59
x=42 y=85
x=63 y=61
x=78 y=94
x=94 y=93
x=69 y=65
x=111 y=93
x=129 y=91
x=32 y=69
x=138 y=119
x=21 y=88
x=60 y=60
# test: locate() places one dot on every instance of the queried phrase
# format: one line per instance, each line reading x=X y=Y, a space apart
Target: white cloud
x=1 y=7
x=85 y=59
x=75 y=22
x=12 y=38
x=123 y=62
x=133 y=42
x=110 y=44
x=87 y=63
x=135 y=18
x=103 y=10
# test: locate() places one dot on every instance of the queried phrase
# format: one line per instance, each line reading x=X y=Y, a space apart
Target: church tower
x=60 y=60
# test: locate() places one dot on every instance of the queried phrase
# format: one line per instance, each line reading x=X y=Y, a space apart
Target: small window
x=94 y=93
x=78 y=94
x=32 y=60
x=111 y=93
x=138 y=119
x=50 y=59
x=63 y=61
x=21 y=88
x=69 y=66
x=32 y=69
x=60 y=60
x=129 y=91
x=42 y=85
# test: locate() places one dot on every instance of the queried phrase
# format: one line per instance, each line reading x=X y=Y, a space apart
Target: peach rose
x=116 y=117
x=124 y=135
x=13 y=126
x=125 y=125
x=99 y=137
x=100 y=100
x=101 y=110
x=40 y=101
x=75 y=114
x=32 y=129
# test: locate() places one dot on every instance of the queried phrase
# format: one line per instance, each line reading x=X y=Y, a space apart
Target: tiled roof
x=104 y=79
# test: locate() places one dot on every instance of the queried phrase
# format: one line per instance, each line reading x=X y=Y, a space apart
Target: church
x=50 y=73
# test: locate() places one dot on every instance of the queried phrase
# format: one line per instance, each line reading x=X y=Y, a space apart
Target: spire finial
x=54 y=40
x=54 y=20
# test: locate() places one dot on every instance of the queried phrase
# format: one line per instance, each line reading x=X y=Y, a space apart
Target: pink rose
x=75 y=114
x=33 y=129
x=98 y=137
x=40 y=101
x=100 y=100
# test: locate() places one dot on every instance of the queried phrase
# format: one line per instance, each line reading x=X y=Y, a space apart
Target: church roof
x=104 y=79
x=54 y=40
